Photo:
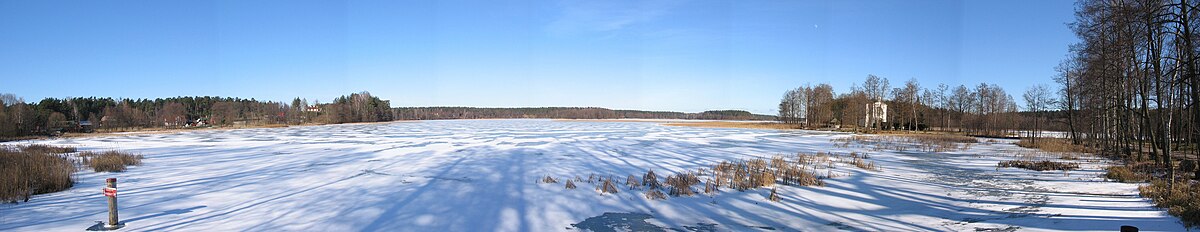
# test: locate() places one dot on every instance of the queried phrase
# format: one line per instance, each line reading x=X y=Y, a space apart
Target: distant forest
x=52 y=116
x=425 y=113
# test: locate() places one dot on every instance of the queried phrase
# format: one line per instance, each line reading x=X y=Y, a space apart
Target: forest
x=982 y=110
x=426 y=113
x=53 y=116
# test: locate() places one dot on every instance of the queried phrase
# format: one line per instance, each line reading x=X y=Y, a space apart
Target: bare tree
x=1037 y=100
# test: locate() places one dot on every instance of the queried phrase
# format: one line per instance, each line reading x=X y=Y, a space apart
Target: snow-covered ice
x=481 y=175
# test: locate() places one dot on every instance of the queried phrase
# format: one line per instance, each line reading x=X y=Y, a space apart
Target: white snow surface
x=481 y=175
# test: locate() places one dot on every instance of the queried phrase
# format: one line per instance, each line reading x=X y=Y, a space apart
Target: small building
x=312 y=109
x=876 y=113
x=86 y=126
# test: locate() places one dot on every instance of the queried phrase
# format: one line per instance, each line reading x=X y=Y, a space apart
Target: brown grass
x=110 y=161
x=905 y=142
x=632 y=182
x=1044 y=165
x=861 y=162
x=1181 y=199
x=755 y=173
x=724 y=124
x=681 y=184
x=650 y=180
x=1125 y=174
x=25 y=171
x=1053 y=145
x=607 y=186
x=741 y=175
x=655 y=195
x=774 y=196
x=46 y=149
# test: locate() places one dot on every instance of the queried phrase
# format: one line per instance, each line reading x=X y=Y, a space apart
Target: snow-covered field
x=481 y=175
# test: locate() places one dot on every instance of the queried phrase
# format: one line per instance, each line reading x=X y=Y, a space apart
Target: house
x=312 y=109
x=86 y=126
x=876 y=113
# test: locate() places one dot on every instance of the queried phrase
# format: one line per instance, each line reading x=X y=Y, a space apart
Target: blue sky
x=650 y=55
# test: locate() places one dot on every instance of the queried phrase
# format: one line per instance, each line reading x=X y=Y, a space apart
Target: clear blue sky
x=650 y=55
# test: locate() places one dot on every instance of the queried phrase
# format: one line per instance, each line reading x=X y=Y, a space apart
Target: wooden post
x=111 y=183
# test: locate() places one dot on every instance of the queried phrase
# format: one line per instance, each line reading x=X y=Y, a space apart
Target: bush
x=25 y=172
x=1182 y=201
x=1044 y=165
x=110 y=161
x=651 y=180
x=1124 y=174
x=655 y=195
x=607 y=186
x=46 y=149
x=905 y=142
x=1053 y=145
x=681 y=184
x=861 y=162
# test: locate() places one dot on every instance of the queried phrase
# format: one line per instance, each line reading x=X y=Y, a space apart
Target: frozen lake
x=481 y=175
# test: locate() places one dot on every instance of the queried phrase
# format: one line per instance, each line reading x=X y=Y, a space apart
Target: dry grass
x=723 y=124
x=1181 y=199
x=29 y=170
x=607 y=186
x=774 y=196
x=906 y=142
x=1044 y=165
x=46 y=149
x=755 y=173
x=798 y=170
x=1125 y=174
x=632 y=182
x=860 y=162
x=1053 y=145
x=650 y=180
x=681 y=184
x=655 y=195
x=110 y=161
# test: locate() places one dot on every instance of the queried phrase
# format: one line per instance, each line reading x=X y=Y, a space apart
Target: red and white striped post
x=110 y=191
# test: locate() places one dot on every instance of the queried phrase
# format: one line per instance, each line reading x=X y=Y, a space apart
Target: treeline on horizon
x=431 y=113
x=981 y=110
x=52 y=116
